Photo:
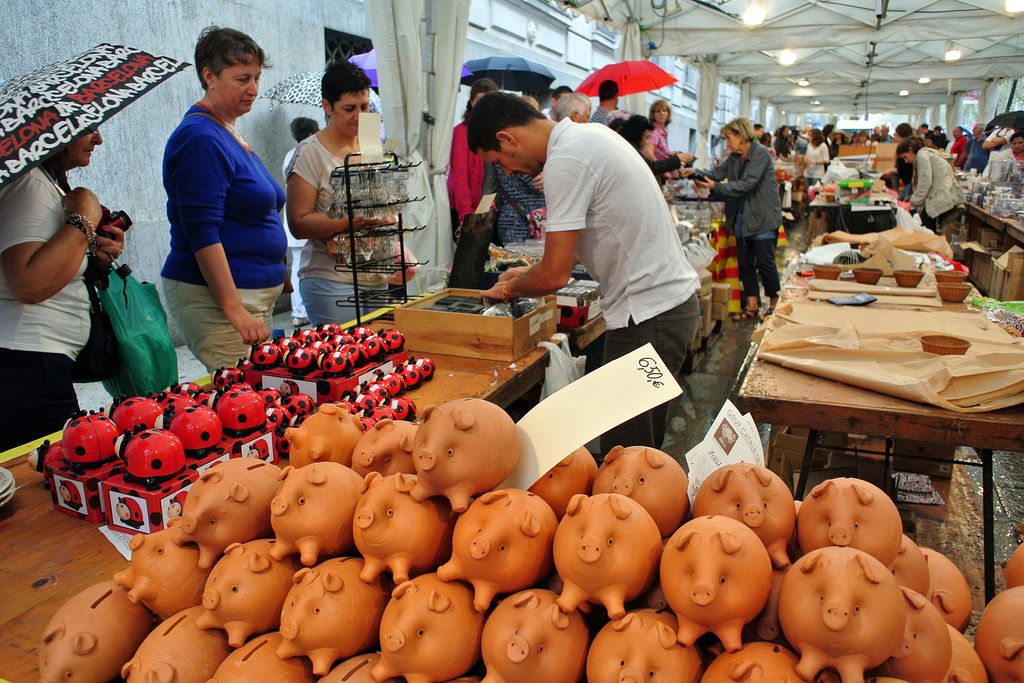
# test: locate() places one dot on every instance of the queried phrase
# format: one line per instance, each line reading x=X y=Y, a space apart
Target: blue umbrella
x=368 y=63
x=510 y=73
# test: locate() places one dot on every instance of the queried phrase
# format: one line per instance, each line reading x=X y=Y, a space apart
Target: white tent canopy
x=856 y=54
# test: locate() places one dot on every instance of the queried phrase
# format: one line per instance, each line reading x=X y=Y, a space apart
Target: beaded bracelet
x=506 y=294
x=79 y=221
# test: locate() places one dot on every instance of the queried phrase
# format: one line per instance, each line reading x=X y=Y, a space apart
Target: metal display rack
x=371 y=191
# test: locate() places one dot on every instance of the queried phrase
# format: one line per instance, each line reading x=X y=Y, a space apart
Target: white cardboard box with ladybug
x=135 y=509
x=76 y=491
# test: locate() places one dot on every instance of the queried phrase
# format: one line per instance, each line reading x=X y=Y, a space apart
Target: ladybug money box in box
x=148 y=492
x=200 y=432
x=578 y=302
x=242 y=413
x=337 y=373
x=85 y=457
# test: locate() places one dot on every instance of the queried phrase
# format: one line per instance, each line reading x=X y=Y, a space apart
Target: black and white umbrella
x=44 y=110
x=304 y=88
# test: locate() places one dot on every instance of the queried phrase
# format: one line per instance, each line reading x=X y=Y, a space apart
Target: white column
x=745 y=98
x=707 y=100
x=630 y=49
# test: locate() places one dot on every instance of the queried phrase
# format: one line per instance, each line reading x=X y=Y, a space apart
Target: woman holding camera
x=226 y=266
x=46 y=232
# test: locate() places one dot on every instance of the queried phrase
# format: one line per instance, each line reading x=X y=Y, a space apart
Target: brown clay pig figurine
x=925 y=653
x=966 y=666
x=229 y=504
x=313 y=510
x=331 y=614
x=329 y=434
x=502 y=544
x=755 y=496
x=999 y=639
x=716 y=576
x=1013 y=571
x=575 y=473
x=948 y=589
x=850 y=513
x=651 y=478
x=606 y=551
x=910 y=568
x=257 y=660
x=356 y=670
x=754 y=663
x=841 y=608
x=92 y=635
x=527 y=639
x=766 y=625
x=246 y=590
x=178 y=651
x=463 y=448
x=430 y=632
x=163 y=576
x=395 y=533
x=385 y=448
x=642 y=647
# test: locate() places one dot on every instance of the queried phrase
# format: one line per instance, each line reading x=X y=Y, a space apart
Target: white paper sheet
x=370 y=150
x=733 y=438
x=119 y=540
x=587 y=408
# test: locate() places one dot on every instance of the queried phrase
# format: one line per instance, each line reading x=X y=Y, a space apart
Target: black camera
x=116 y=219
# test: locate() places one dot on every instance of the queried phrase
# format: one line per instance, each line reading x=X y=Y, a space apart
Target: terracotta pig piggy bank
x=463 y=448
x=92 y=635
x=313 y=510
x=229 y=504
x=246 y=590
x=528 y=639
x=925 y=652
x=393 y=532
x=850 y=513
x=1013 y=570
x=642 y=647
x=766 y=626
x=754 y=663
x=999 y=639
x=386 y=448
x=257 y=660
x=965 y=665
x=430 y=632
x=606 y=550
x=841 y=608
x=331 y=614
x=755 y=496
x=178 y=651
x=502 y=544
x=574 y=474
x=331 y=433
x=910 y=568
x=163 y=576
x=948 y=589
x=356 y=670
x=716 y=576
x=651 y=478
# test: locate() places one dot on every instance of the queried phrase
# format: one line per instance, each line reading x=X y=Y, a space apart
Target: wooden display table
x=49 y=556
x=993 y=231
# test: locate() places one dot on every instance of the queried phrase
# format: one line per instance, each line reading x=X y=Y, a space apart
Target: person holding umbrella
x=226 y=266
x=47 y=231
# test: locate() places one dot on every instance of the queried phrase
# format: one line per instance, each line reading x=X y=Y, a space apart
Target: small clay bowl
x=827 y=272
x=944 y=346
x=908 y=278
x=951 y=277
x=954 y=293
x=867 y=276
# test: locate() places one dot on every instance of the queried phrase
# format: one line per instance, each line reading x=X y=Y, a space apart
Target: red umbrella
x=632 y=77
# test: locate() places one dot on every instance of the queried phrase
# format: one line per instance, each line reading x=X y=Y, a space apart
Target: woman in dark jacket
x=746 y=180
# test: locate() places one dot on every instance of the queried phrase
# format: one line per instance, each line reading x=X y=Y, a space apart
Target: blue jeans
x=327 y=301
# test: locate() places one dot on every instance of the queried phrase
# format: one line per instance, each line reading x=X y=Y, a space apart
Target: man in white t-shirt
x=604 y=209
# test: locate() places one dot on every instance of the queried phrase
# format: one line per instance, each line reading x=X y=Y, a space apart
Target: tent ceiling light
x=815 y=102
x=904 y=93
x=755 y=14
x=1014 y=6
x=953 y=53
x=787 y=58
x=803 y=82
x=923 y=80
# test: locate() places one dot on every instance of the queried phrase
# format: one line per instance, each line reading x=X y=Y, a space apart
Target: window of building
x=339 y=46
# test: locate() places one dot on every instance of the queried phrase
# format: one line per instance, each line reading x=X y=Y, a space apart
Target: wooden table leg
x=805 y=467
x=988 y=511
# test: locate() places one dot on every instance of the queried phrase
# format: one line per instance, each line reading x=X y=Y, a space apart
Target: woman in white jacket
x=937 y=195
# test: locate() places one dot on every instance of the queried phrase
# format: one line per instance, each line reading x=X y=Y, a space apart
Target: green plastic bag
x=148 y=360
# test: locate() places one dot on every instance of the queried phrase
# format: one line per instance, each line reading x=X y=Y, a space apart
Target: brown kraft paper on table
x=879 y=351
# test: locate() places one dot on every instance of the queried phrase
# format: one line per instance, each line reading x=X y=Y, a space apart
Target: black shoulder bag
x=98 y=360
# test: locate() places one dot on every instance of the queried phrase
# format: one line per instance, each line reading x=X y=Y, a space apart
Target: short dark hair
x=560 y=91
x=303 y=127
x=939 y=128
x=218 y=48
x=758 y=126
x=607 y=90
x=481 y=86
x=910 y=145
x=494 y=112
x=904 y=130
x=633 y=129
x=816 y=137
x=342 y=77
x=1017 y=134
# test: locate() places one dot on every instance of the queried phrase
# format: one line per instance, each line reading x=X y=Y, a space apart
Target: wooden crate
x=473 y=336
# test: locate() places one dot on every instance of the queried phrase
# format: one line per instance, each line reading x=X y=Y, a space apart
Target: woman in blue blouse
x=226 y=266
